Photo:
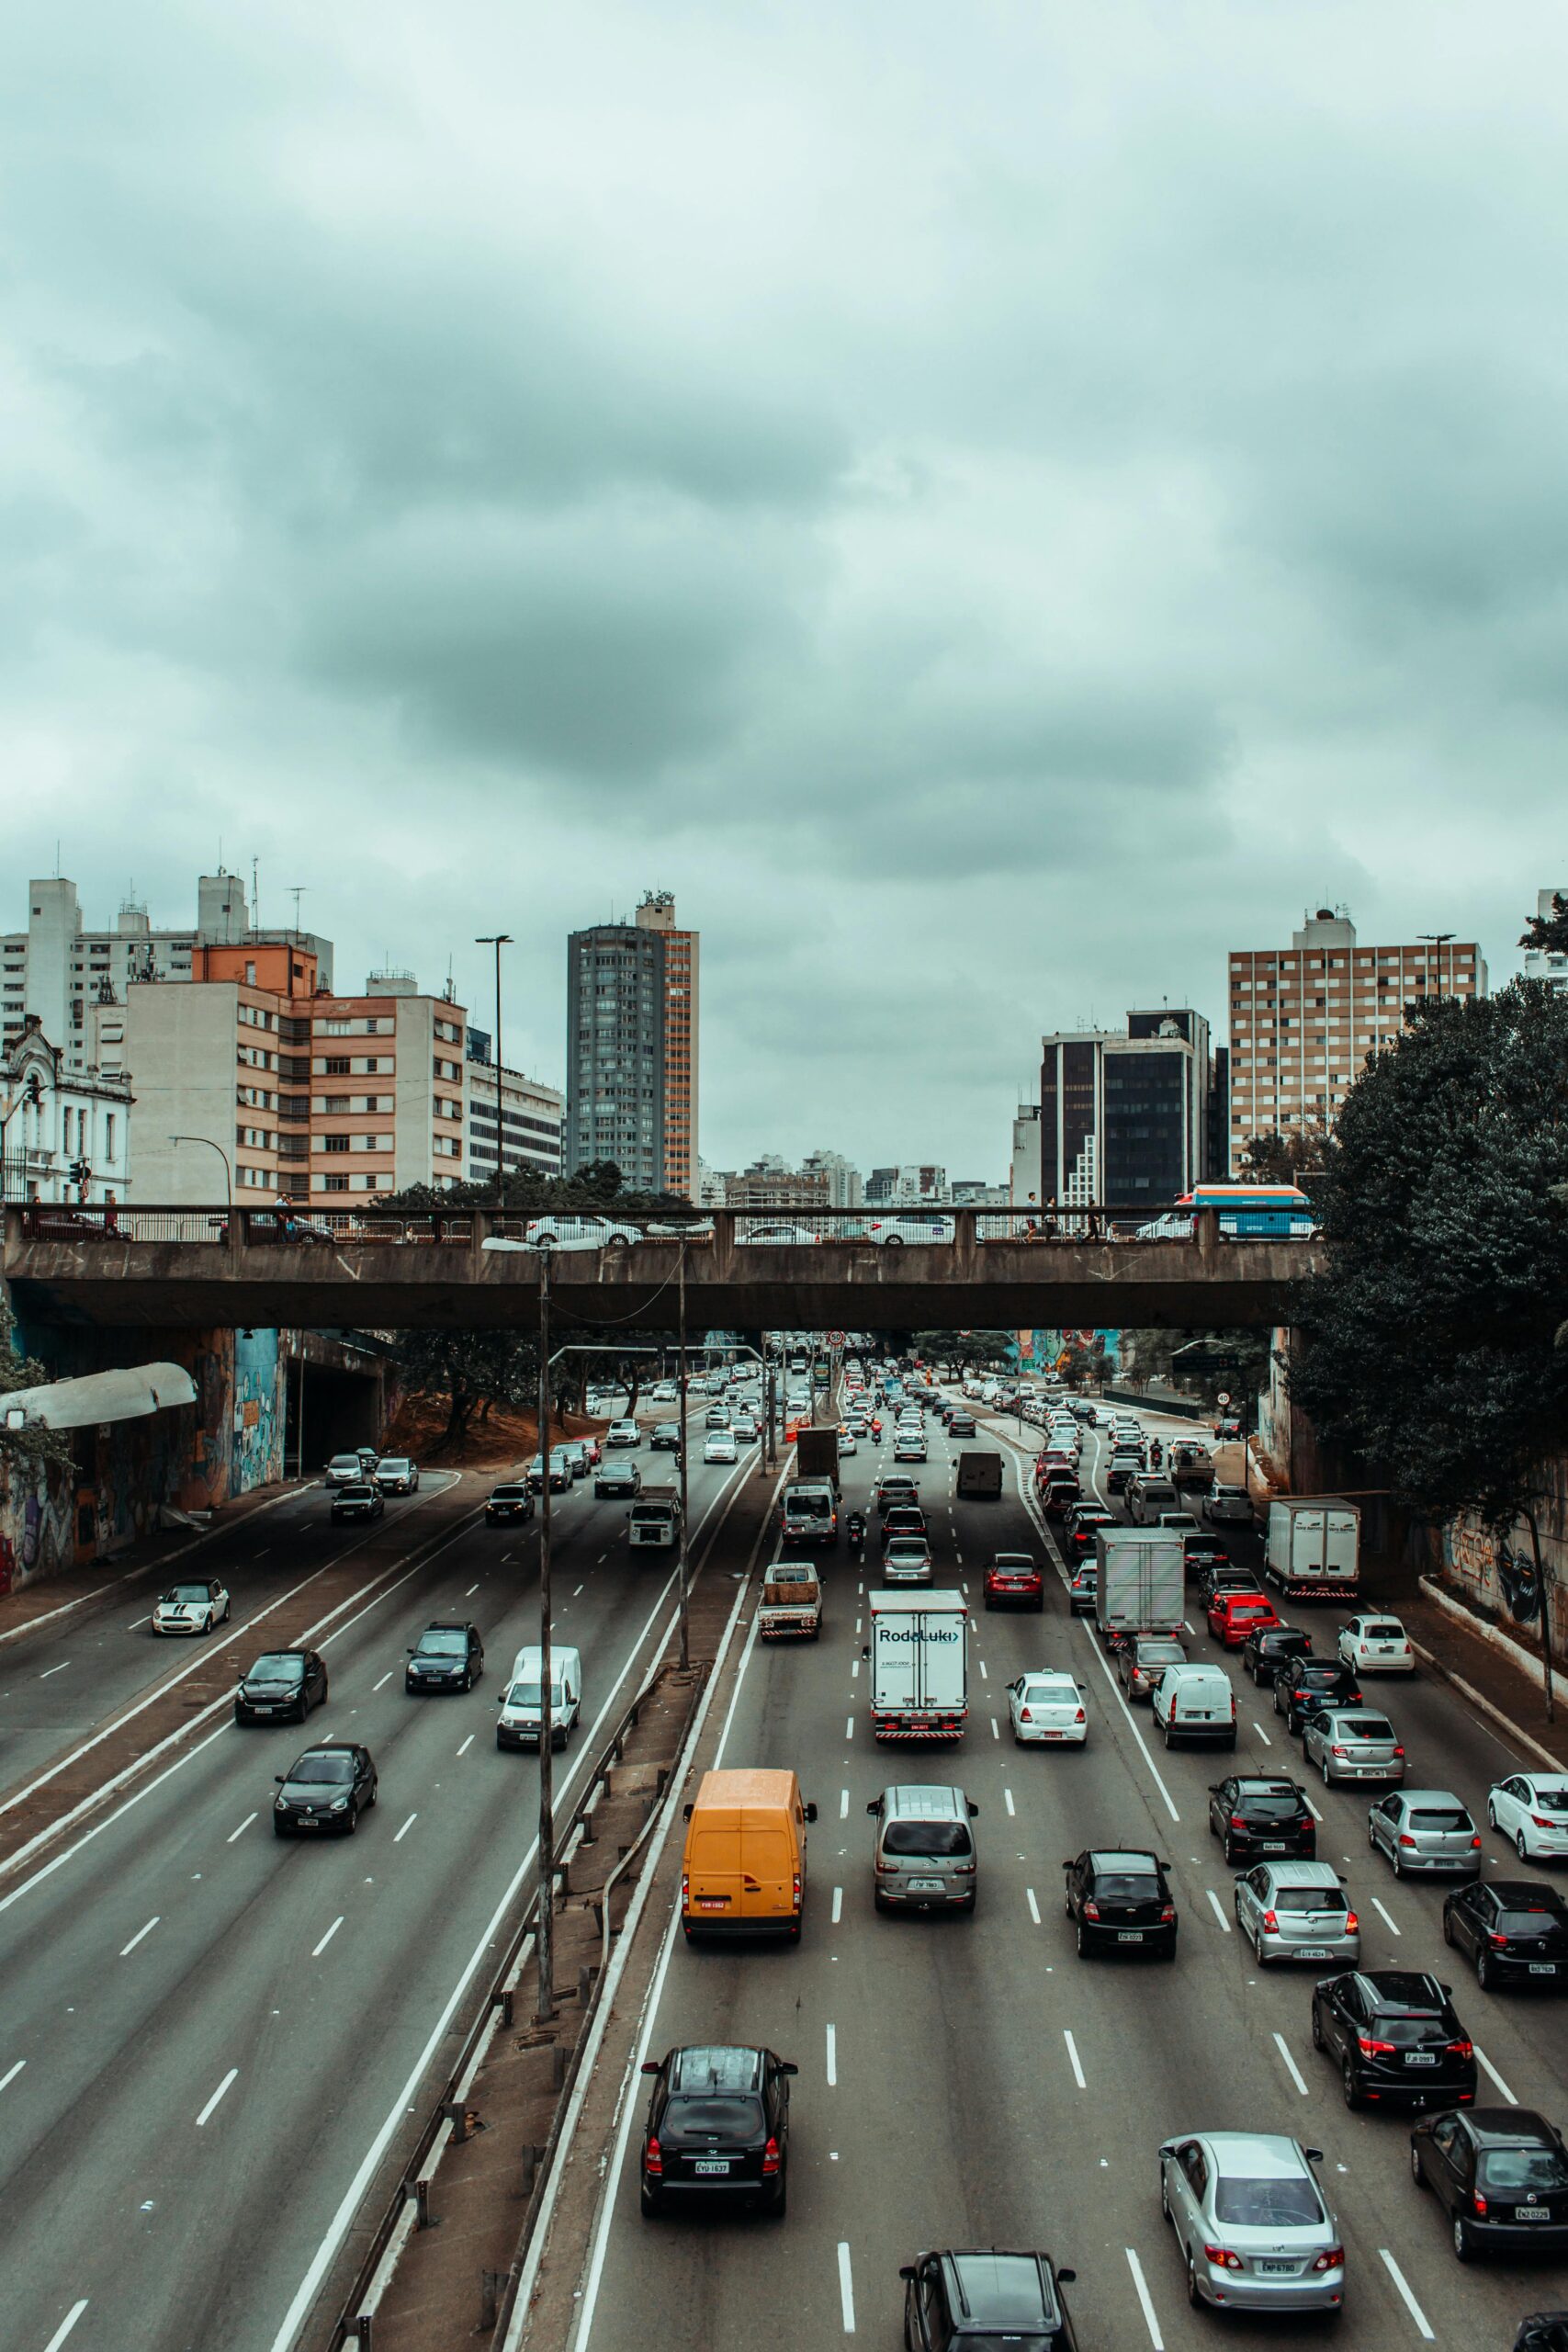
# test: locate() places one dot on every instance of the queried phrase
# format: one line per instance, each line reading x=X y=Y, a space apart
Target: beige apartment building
x=295 y=1091
x=1305 y=1020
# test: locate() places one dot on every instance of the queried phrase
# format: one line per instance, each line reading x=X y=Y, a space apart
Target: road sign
x=835 y=1339
x=1224 y=1396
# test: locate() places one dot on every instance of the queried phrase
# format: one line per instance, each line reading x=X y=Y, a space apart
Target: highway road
x=214 y=2042
x=972 y=2082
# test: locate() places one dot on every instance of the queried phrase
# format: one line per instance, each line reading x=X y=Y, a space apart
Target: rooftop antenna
x=255 y=898
x=297 y=890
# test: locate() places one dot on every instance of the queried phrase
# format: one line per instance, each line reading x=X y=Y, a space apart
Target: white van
x=1195 y=1702
x=517 y=1725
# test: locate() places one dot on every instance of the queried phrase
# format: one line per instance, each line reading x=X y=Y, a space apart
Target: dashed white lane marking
x=1292 y=2068
x=833 y=2056
x=1311 y=1808
x=139 y=1621
x=1074 y=2061
x=406 y=1827
x=1492 y=2071
x=849 y=1728
x=466 y=1744
x=383 y=1684
x=838 y=1905
x=846 y=2289
x=996 y=1728
x=1033 y=1906
x=843 y=1805
x=11 y=2073
x=1384 y=1916
x=217 y=2095
x=1219 y=1915
x=1006 y=1798
x=854 y=1670
x=66 y=2325
x=985 y=1671
x=470 y=1592
x=241 y=1829
x=577 y=1587
x=1411 y=2305
x=326 y=1940
x=1261 y=1732
x=54 y=1669
x=1145 y=2304
x=136 y=1938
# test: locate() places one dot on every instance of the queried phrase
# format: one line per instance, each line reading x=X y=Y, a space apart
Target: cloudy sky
x=993 y=505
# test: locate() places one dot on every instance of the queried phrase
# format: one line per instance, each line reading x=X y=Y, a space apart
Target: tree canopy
x=1276 y=1159
x=1549 y=932
x=1435 y=1341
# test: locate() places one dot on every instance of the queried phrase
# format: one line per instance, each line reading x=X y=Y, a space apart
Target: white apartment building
x=67 y=1136
x=532 y=1119
x=1540 y=963
x=846 y=1186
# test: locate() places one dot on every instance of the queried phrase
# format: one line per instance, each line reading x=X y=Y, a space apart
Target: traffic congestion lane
x=239 y=1917
x=963 y=2144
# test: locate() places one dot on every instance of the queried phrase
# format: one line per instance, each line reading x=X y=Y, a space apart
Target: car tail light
x=1223 y=2258
x=798 y=1890
x=1475 y=1843
x=963 y=1870
x=1337 y=1752
x=1352 y=1924
x=1271 y=1923
x=1540 y=1821
x=770 y=2156
x=1331 y=2258
x=886 y=1869
x=1233 y=1706
x=1168 y=1915
x=1092 y=1910
x=1371 y=2048
x=1494 y=1938
x=685 y=1890
x=1024 y=1716
x=1399 y=1751
x=1237 y=1821
x=1406 y=1839
x=1479 y=2202
x=1465 y=2050
x=653 y=2157
x=1080 y=1717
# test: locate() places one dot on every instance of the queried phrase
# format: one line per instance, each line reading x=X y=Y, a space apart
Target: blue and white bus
x=1248 y=1212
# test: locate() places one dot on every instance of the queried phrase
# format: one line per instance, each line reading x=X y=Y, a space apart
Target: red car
x=1014 y=1581
x=1234 y=1616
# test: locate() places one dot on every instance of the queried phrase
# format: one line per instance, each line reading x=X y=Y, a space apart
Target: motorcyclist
x=1157 y=1455
x=854 y=1528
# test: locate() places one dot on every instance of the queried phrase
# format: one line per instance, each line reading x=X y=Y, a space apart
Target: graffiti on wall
x=1501 y=1569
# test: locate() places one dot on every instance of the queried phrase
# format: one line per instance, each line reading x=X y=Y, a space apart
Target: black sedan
x=1501 y=2174
x=1515 y=1929
x=1203 y=1551
x=1251 y=1814
x=509 y=1504
x=666 y=1438
x=448 y=1658
x=1272 y=1648
x=1120 y=1902
x=616 y=1475
x=282 y=1684
x=1309 y=1684
x=363 y=1500
x=325 y=1791
x=718 y=2127
x=1082 y=1526
x=1395 y=2038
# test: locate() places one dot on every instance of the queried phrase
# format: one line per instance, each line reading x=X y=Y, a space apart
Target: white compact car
x=195 y=1607
x=1048 y=1707
x=1376 y=1646
x=719 y=1446
x=1531 y=1809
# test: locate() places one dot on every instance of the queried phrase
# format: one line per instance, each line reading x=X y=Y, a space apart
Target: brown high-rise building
x=657 y=914
x=1306 y=1020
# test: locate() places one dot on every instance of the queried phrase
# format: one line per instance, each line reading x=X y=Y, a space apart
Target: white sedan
x=568 y=1233
x=1531 y=1808
x=192 y=1607
x=1048 y=1706
x=1376 y=1646
x=719 y=1446
x=847 y=1441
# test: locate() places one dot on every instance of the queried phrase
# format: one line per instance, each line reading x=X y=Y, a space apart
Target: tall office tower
x=615 y=1056
x=1123 y=1119
x=657 y=914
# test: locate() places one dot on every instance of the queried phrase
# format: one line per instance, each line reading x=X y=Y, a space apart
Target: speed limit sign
x=1224 y=1396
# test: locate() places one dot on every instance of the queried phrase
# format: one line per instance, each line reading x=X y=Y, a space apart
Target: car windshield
x=443 y=1643
x=355 y=1494
x=711 y=2115
x=527 y=1694
x=395 y=1463
x=313 y=1769
x=1289 y=2203
x=1520 y=2168
x=187 y=1592
x=938 y=1839
x=281 y=1668
x=1446 y=1816
x=1308 y=1898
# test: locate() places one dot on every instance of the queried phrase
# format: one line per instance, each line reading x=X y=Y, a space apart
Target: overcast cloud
x=993 y=505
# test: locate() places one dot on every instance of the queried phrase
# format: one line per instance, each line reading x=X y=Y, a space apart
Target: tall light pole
x=228 y=1177
x=1440 y=940
x=683 y=1456
x=544 y=2004
x=498 y=940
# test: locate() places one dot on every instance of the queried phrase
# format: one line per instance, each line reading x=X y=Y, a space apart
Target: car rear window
x=1448 y=1816
x=1309 y=1898
x=1279 y=2204
x=705 y=2115
x=1529 y=1919
x=1554 y=1799
x=1383 y=1630
x=1409 y=2032
x=1127 y=1886
x=1520 y=2168
x=1365 y=1727
x=943 y=1840
x=1270 y=1805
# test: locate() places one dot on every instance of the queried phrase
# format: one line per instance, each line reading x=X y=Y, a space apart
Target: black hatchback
x=1395 y=2036
x=1515 y=1929
x=1120 y=1902
x=718 y=2127
x=325 y=1791
x=985 y=2298
x=1304 y=1686
x=448 y=1658
x=1252 y=1814
x=283 y=1684
x=1272 y=1648
x=1502 y=2175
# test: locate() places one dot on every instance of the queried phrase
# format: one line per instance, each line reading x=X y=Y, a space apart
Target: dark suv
x=1272 y=1648
x=718 y=2127
x=985 y=2298
x=1501 y=2174
x=1252 y=1814
x=1395 y=2038
x=448 y=1658
x=1308 y=1684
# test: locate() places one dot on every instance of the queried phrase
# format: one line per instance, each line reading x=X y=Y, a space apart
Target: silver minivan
x=1424 y=1829
x=924 y=1857
x=1149 y=1494
x=1297 y=1911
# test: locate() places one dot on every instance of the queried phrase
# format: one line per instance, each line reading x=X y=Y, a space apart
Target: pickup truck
x=792 y=1603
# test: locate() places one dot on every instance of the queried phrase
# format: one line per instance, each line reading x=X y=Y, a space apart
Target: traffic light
x=32 y=1093
x=82 y=1173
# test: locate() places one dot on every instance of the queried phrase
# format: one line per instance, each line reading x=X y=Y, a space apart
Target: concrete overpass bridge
x=379 y=1268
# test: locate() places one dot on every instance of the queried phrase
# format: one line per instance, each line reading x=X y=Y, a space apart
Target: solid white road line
x=1219 y=1915
x=66 y=2325
x=125 y=1948
x=1073 y=2060
x=838 y=1905
x=1486 y=2063
x=846 y=2289
x=241 y=1829
x=466 y=1744
x=1411 y=2305
x=1007 y=1794
x=1382 y=1914
x=406 y=1827
x=1290 y=2066
x=1137 y=2267
x=328 y=1937
x=11 y=2073
x=217 y=2095
x=1033 y=1906
x=833 y=2056
x=383 y=1684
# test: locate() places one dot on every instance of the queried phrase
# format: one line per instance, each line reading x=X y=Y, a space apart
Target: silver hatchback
x=1424 y=1829
x=1351 y=1744
x=1296 y=1911
x=923 y=1858
x=1250 y=2222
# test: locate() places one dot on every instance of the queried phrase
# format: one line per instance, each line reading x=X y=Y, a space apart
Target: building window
x=337 y=1066
x=338 y=1103
x=334 y=1183
x=334 y=1143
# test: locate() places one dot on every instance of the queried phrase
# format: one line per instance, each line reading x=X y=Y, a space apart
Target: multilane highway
x=214 y=2045
x=974 y=2083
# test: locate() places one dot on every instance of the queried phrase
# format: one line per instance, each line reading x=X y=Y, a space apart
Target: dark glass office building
x=616 y=1057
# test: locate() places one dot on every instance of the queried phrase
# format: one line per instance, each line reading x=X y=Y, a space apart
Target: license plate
x=1051 y=1735
x=262 y=1706
x=1420 y=2058
x=1532 y=2213
x=1543 y=1968
x=1312 y=1951
x=713 y=1903
x=1278 y=2269
x=1271 y=1849
x=1129 y=1935
x=711 y=2165
x=925 y=1886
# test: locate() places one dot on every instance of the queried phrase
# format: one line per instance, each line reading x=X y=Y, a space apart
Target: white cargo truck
x=1141 y=1578
x=656 y=1518
x=919 y=1665
x=1315 y=1547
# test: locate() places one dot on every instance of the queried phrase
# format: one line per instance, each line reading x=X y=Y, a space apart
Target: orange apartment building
x=657 y=912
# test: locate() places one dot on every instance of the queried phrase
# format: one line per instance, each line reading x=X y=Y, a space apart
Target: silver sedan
x=1252 y=2225
x=1350 y=1744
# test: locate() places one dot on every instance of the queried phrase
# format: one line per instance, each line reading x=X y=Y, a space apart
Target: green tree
x=28 y=1450
x=1276 y=1159
x=1549 y=932
x=1435 y=1341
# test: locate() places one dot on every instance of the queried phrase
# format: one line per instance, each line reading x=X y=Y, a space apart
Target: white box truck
x=1314 y=1550
x=919 y=1665
x=1142 y=1579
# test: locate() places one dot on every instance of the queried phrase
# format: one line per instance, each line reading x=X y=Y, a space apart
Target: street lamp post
x=498 y=940
x=683 y=1458
x=1440 y=940
x=544 y=2003
x=228 y=1175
